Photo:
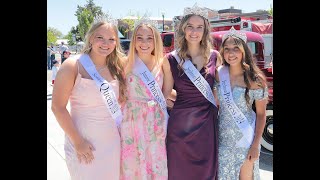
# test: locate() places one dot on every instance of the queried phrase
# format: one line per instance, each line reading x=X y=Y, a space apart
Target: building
x=167 y=22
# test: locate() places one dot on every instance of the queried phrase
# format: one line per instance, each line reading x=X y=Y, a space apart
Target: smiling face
x=103 y=40
x=144 y=40
x=194 y=29
x=232 y=52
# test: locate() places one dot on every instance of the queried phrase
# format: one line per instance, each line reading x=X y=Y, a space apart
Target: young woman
x=143 y=129
x=93 y=83
x=240 y=83
x=192 y=127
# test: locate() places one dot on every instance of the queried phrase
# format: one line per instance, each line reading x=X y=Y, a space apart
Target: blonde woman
x=94 y=84
x=143 y=129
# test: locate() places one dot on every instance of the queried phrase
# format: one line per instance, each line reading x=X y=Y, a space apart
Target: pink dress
x=94 y=122
x=143 y=150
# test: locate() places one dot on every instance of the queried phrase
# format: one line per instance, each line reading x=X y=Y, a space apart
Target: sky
x=60 y=13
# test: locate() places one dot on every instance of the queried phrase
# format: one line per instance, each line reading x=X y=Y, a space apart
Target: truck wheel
x=267 y=136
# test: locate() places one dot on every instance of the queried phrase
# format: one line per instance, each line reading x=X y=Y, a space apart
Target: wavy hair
x=251 y=71
x=182 y=44
x=115 y=60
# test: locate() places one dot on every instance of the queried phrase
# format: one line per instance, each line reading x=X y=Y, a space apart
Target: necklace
x=99 y=70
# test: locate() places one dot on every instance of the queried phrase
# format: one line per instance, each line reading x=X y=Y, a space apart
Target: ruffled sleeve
x=260 y=94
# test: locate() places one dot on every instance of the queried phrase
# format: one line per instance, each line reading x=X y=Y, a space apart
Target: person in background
x=49 y=52
x=66 y=55
x=55 y=69
x=63 y=48
x=144 y=126
x=53 y=52
x=192 y=140
x=94 y=84
x=240 y=84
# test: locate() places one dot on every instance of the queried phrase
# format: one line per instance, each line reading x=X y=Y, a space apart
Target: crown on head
x=234 y=33
x=196 y=10
x=105 y=18
x=145 y=20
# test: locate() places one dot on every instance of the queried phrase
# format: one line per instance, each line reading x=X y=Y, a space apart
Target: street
x=56 y=166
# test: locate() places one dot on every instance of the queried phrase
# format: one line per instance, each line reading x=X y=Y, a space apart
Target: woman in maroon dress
x=192 y=148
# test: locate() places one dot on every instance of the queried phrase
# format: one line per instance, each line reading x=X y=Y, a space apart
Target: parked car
x=125 y=44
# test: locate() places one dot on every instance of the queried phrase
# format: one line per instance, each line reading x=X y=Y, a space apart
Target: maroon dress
x=192 y=139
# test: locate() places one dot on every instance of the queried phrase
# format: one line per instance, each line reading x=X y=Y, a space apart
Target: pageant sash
x=141 y=70
x=196 y=78
x=237 y=115
x=105 y=89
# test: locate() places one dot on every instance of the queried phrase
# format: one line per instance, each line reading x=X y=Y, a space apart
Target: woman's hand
x=253 y=154
x=84 y=151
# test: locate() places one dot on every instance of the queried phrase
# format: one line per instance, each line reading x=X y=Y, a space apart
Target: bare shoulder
x=70 y=66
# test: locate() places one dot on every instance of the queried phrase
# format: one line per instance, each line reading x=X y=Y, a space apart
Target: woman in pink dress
x=92 y=141
x=143 y=129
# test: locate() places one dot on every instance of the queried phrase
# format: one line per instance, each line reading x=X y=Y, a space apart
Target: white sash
x=105 y=89
x=237 y=115
x=196 y=78
x=141 y=70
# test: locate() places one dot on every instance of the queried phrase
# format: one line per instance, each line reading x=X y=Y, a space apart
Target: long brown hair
x=252 y=73
x=182 y=44
x=115 y=60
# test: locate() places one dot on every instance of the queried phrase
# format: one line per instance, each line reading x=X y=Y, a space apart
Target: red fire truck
x=257 y=46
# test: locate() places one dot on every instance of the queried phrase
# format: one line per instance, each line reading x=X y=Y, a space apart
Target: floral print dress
x=143 y=133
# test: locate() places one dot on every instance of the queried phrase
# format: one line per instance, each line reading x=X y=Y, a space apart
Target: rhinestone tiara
x=105 y=18
x=196 y=10
x=145 y=20
x=234 y=33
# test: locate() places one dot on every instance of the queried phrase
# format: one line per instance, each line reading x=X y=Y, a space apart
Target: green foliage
x=70 y=39
x=52 y=35
x=85 y=19
x=127 y=26
x=85 y=16
x=270 y=11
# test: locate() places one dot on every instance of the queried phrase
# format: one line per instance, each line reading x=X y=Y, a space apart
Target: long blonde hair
x=115 y=60
x=157 y=51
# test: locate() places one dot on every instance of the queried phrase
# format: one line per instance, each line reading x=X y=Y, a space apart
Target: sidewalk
x=56 y=165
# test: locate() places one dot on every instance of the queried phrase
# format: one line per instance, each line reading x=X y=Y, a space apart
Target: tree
x=85 y=19
x=52 y=35
x=86 y=15
x=270 y=11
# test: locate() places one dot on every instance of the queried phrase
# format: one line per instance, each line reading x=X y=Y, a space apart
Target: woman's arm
x=253 y=153
x=260 y=121
x=62 y=88
x=167 y=79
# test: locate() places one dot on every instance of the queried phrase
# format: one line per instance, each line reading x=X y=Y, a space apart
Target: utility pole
x=162 y=13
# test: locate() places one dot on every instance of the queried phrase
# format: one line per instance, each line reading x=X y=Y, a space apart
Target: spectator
x=53 y=53
x=63 y=48
x=49 y=52
x=55 y=69
x=66 y=54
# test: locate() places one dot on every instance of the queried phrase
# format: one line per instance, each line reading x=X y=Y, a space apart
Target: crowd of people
x=118 y=126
